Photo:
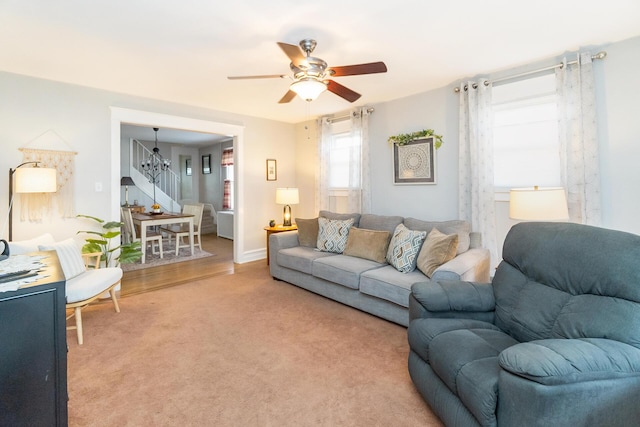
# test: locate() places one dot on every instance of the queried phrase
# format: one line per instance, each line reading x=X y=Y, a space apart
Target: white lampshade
x=538 y=204
x=287 y=196
x=35 y=180
x=308 y=88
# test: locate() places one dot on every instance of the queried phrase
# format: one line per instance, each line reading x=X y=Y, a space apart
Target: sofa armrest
x=472 y=266
x=452 y=299
x=566 y=361
x=283 y=240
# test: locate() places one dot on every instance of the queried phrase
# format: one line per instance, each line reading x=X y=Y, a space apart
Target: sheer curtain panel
x=578 y=139
x=476 y=202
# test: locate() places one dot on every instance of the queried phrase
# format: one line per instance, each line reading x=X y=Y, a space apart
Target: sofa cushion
x=307 y=232
x=333 y=234
x=389 y=284
x=367 y=244
x=404 y=248
x=333 y=215
x=437 y=249
x=380 y=222
x=342 y=269
x=461 y=228
x=299 y=258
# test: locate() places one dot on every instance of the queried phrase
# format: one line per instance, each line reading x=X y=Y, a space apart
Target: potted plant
x=129 y=252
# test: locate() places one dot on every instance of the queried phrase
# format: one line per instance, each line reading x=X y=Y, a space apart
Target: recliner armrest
x=565 y=361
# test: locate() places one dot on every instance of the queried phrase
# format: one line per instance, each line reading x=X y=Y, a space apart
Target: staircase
x=167 y=182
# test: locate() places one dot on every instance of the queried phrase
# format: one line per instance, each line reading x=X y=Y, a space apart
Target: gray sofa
x=554 y=340
x=371 y=286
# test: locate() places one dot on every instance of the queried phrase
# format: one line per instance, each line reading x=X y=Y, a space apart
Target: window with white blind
x=344 y=158
x=525 y=134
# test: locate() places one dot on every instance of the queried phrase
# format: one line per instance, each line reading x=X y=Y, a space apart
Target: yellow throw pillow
x=367 y=244
x=437 y=249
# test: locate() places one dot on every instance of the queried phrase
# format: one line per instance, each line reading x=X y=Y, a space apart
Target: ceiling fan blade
x=265 y=76
x=342 y=91
x=287 y=97
x=293 y=52
x=353 y=70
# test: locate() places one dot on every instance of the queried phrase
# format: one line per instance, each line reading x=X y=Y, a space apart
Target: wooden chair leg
x=78 y=314
x=112 y=291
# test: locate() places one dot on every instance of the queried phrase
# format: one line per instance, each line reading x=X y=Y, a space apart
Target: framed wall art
x=272 y=170
x=206 y=163
x=415 y=162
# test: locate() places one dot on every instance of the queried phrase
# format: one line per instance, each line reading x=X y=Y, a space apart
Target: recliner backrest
x=564 y=280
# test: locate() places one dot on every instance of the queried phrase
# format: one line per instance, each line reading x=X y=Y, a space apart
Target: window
x=344 y=157
x=525 y=134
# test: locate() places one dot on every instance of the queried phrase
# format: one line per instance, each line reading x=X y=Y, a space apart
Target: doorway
x=120 y=116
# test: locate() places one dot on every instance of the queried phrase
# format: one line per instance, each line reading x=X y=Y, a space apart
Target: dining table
x=145 y=220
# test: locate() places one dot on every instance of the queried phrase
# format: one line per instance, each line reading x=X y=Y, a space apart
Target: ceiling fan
x=311 y=75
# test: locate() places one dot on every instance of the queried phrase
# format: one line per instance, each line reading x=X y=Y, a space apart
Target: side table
x=277 y=229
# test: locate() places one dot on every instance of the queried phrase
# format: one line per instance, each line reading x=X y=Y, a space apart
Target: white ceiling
x=183 y=51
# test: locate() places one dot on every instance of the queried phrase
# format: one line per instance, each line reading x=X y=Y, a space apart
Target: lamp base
x=286 y=221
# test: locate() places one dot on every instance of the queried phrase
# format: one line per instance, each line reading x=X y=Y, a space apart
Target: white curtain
x=359 y=185
x=578 y=139
x=476 y=202
x=324 y=148
x=357 y=190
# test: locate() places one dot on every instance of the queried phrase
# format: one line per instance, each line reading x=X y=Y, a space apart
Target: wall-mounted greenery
x=405 y=138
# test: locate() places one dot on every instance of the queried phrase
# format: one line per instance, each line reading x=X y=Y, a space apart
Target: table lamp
x=287 y=197
x=126 y=181
x=538 y=204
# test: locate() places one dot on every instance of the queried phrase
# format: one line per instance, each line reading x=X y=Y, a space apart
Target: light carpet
x=240 y=350
x=168 y=257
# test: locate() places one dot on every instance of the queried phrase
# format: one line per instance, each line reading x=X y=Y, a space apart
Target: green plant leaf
x=405 y=138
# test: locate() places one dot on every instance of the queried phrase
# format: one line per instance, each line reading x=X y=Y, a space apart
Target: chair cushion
x=32 y=245
x=92 y=283
x=69 y=256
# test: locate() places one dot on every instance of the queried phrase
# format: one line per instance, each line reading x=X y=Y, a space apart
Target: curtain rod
x=348 y=116
x=599 y=55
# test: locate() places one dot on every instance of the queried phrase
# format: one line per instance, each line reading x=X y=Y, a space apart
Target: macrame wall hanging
x=36 y=206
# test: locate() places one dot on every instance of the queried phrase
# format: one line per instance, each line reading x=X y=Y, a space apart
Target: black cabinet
x=33 y=351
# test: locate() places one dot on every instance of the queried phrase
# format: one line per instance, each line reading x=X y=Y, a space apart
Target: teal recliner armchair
x=554 y=340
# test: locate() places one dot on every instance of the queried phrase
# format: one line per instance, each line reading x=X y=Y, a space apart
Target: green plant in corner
x=129 y=252
x=405 y=138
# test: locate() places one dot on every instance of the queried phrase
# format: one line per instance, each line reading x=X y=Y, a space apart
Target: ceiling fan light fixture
x=308 y=88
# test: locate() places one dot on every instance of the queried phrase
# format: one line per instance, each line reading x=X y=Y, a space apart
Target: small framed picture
x=272 y=170
x=206 y=163
x=187 y=167
x=415 y=162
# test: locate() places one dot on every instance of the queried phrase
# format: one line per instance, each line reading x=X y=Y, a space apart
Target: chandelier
x=155 y=165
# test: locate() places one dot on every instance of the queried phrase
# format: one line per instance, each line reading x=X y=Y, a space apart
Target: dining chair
x=85 y=280
x=153 y=238
x=181 y=231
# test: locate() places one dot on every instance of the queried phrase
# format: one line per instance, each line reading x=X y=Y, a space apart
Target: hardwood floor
x=153 y=278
